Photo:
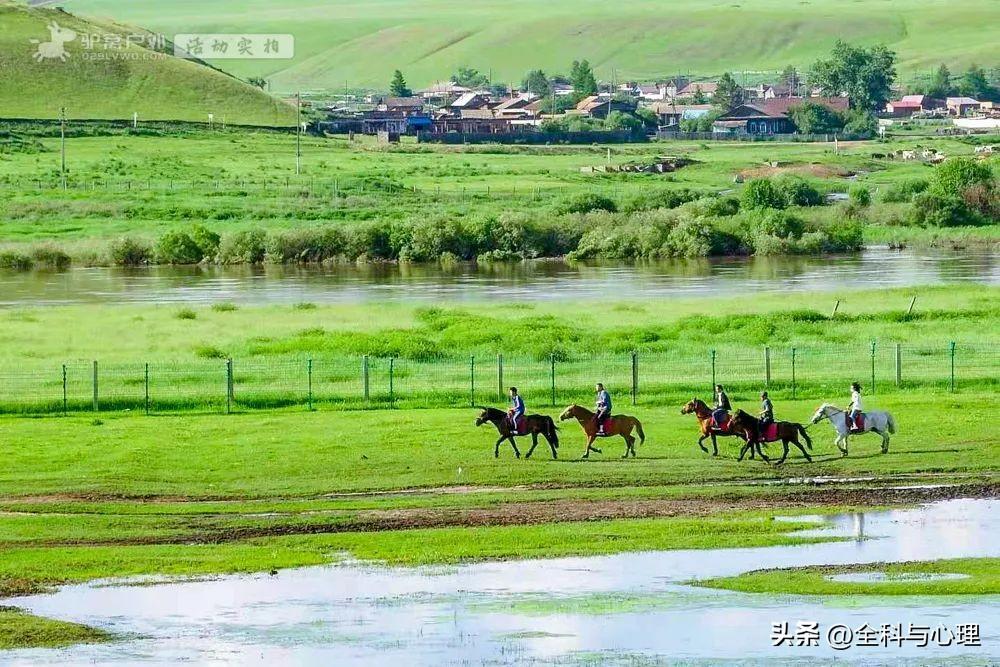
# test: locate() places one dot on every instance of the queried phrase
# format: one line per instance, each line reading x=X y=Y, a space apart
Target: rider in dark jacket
x=722 y=405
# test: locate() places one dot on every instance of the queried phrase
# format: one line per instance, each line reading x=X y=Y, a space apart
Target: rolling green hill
x=360 y=42
x=107 y=81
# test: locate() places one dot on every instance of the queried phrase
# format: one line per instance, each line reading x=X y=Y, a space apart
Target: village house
x=400 y=105
x=598 y=106
x=706 y=88
x=467 y=101
x=442 y=93
x=651 y=92
x=961 y=106
x=670 y=114
x=910 y=104
x=770 y=116
x=515 y=107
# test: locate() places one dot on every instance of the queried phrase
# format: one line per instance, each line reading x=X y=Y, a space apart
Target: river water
x=631 y=608
x=530 y=281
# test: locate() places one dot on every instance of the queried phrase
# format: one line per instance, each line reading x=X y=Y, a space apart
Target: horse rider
x=722 y=405
x=603 y=408
x=766 y=409
x=516 y=410
x=855 y=408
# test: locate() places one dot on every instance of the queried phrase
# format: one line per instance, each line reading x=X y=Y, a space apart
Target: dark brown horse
x=786 y=432
x=703 y=414
x=622 y=425
x=533 y=426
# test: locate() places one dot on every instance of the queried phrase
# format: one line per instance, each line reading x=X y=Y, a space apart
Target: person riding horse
x=722 y=406
x=766 y=410
x=516 y=410
x=603 y=408
x=855 y=408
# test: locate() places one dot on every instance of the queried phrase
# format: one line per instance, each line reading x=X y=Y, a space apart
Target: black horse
x=786 y=432
x=533 y=426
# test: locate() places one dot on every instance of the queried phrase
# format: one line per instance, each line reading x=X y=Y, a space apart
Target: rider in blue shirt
x=516 y=410
x=603 y=407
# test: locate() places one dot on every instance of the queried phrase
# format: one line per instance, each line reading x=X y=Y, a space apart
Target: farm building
x=770 y=116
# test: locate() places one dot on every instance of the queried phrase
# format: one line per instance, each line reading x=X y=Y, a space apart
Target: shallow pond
x=628 y=608
x=528 y=281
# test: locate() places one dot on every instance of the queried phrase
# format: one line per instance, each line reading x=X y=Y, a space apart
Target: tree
x=728 y=94
x=536 y=82
x=582 y=76
x=257 y=81
x=866 y=75
x=941 y=85
x=619 y=120
x=398 y=88
x=470 y=78
x=790 y=79
x=812 y=118
x=699 y=97
x=975 y=84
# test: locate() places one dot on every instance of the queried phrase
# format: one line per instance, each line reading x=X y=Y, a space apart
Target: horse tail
x=890 y=423
x=802 y=430
x=638 y=428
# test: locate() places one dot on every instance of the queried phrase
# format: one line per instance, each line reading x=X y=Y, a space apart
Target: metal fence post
x=364 y=371
x=873 y=367
x=146 y=382
x=767 y=367
x=552 y=377
x=472 y=380
x=229 y=386
x=635 y=377
x=309 y=372
x=499 y=377
x=793 y=373
x=952 y=346
x=65 y=398
x=96 y=404
x=899 y=365
x=713 y=370
x=392 y=388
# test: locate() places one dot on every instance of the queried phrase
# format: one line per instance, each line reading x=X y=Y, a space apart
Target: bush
x=317 y=244
x=904 y=190
x=770 y=222
x=983 y=200
x=932 y=209
x=243 y=247
x=207 y=240
x=860 y=123
x=860 y=196
x=128 y=251
x=50 y=257
x=714 y=206
x=845 y=237
x=209 y=352
x=177 y=247
x=370 y=240
x=954 y=175
x=761 y=193
x=797 y=191
x=654 y=199
x=11 y=260
x=427 y=240
x=225 y=307
x=186 y=314
x=586 y=203
x=644 y=235
x=692 y=237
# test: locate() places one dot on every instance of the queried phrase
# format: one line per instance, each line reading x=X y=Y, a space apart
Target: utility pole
x=62 y=145
x=298 y=133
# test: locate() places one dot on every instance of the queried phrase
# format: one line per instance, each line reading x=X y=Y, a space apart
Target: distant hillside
x=99 y=79
x=361 y=42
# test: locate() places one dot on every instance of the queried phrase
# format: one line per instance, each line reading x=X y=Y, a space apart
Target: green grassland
x=109 y=82
x=982 y=577
x=20 y=630
x=429 y=39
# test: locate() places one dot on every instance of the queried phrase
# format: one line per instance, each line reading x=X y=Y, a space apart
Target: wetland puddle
x=627 y=608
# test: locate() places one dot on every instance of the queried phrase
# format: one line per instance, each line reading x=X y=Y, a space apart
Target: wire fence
x=660 y=378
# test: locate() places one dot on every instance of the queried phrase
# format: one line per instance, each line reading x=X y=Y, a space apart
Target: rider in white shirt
x=855 y=407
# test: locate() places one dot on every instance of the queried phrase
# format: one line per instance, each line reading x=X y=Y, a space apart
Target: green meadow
x=360 y=44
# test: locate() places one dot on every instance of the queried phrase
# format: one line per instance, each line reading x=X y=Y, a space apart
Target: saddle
x=606 y=428
x=769 y=432
x=859 y=422
x=722 y=426
x=520 y=425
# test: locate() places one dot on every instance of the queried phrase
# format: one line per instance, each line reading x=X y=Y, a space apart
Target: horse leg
x=555 y=454
x=628 y=445
x=795 y=441
x=514 y=445
x=534 y=443
x=885 y=440
x=784 y=452
x=841 y=443
x=715 y=446
x=590 y=446
x=496 y=447
x=747 y=447
x=703 y=447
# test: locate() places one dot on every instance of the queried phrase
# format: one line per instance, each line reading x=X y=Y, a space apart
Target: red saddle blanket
x=769 y=433
x=606 y=428
x=722 y=425
x=520 y=426
x=859 y=421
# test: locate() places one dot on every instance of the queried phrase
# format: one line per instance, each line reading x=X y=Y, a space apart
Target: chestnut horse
x=787 y=432
x=533 y=424
x=622 y=425
x=703 y=414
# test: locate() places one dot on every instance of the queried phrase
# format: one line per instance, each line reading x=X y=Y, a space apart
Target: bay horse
x=622 y=425
x=703 y=414
x=876 y=421
x=533 y=425
x=786 y=432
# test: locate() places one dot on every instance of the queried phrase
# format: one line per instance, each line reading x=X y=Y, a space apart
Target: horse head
x=570 y=413
x=693 y=406
x=821 y=412
x=485 y=415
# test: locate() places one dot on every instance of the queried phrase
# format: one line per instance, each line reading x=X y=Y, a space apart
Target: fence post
x=793 y=373
x=146 y=382
x=767 y=367
x=364 y=371
x=873 y=367
x=96 y=404
x=952 y=346
x=499 y=377
x=472 y=380
x=229 y=386
x=713 y=370
x=309 y=372
x=899 y=365
x=65 y=399
x=392 y=388
x=552 y=377
x=635 y=377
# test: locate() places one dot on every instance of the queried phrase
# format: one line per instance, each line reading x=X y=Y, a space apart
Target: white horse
x=876 y=421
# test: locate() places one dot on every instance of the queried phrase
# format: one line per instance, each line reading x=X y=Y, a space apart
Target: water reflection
x=539 y=280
